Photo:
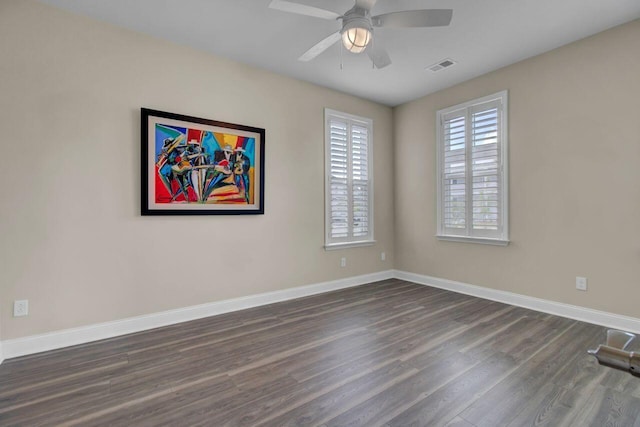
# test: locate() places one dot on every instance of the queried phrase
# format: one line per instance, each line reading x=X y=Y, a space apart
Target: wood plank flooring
x=390 y=353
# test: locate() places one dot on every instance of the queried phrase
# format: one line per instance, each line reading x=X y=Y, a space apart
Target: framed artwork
x=194 y=166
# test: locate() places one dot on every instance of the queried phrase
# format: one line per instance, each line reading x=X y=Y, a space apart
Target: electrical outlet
x=581 y=283
x=343 y=262
x=20 y=308
x=383 y=256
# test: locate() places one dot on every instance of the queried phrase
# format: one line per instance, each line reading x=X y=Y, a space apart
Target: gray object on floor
x=614 y=355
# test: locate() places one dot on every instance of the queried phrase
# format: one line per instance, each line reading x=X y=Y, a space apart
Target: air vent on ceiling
x=445 y=63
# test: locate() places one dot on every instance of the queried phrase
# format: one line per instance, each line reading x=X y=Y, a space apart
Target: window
x=348 y=186
x=472 y=171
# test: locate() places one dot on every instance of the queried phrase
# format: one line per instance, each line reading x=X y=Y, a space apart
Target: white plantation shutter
x=349 y=187
x=455 y=186
x=360 y=179
x=472 y=190
x=485 y=169
x=339 y=180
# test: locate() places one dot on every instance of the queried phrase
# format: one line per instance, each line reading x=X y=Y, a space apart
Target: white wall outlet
x=343 y=262
x=20 y=308
x=383 y=256
x=581 y=283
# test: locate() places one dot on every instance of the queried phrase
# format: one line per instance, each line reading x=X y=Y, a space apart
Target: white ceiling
x=484 y=35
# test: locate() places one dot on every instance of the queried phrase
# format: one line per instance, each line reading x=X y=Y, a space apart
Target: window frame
x=466 y=108
x=349 y=241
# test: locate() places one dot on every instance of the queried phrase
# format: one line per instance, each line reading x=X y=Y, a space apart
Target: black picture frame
x=196 y=166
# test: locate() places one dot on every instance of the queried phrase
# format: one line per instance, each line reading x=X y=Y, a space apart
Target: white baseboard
x=583 y=314
x=68 y=337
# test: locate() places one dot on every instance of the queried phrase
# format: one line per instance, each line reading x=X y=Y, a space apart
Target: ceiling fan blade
x=379 y=56
x=320 y=47
x=414 y=18
x=366 y=4
x=302 y=9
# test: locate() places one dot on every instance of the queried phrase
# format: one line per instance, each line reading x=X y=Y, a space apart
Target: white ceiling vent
x=445 y=63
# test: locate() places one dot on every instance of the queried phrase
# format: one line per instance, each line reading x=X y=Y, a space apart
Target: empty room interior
x=320 y=213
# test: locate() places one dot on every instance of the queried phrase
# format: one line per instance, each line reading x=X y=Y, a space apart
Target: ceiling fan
x=358 y=24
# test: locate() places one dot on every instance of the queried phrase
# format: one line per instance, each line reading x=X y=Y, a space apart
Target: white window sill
x=344 y=245
x=481 y=240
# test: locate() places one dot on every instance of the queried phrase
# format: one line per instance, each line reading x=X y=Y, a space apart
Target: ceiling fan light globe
x=356 y=39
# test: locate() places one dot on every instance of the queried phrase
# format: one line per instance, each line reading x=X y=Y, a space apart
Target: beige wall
x=73 y=240
x=574 y=141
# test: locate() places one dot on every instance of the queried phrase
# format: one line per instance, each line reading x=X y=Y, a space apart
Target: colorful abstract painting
x=200 y=166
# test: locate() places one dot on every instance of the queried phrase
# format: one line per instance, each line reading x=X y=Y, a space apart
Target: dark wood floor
x=385 y=354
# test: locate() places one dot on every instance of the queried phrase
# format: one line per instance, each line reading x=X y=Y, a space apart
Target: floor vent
x=445 y=63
